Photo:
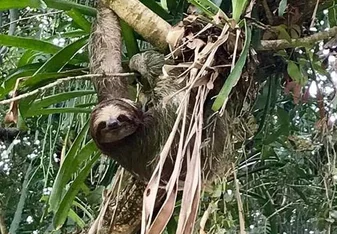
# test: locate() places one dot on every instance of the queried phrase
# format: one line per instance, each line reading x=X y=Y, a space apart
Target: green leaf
x=304 y=77
x=27 y=57
x=235 y=75
x=319 y=68
x=68 y=5
x=67 y=169
x=295 y=73
x=10 y=4
x=29 y=43
x=80 y=20
x=80 y=222
x=207 y=6
x=43 y=78
x=62 y=211
x=282 y=7
x=171 y=5
x=50 y=111
x=86 y=207
x=283 y=117
x=156 y=8
x=57 y=4
x=61 y=58
x=24 y=71
x=282 y=32
x=71 y=34
x=270 y=138
x=90 y=104
x=129 y=39
x=239 y=7
x=332 y=14
x=57 y=98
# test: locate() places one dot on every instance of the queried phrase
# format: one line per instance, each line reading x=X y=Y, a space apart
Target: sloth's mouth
x=109 y=135
x=113 y=124
x=115 y=129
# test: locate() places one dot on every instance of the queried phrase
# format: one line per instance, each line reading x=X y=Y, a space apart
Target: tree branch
x=304 y=41
x=3 y=228
x=155 y=29
x=59 y=81
x=144 y=21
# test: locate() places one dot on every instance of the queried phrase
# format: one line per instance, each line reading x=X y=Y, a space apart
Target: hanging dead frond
x=206 y=52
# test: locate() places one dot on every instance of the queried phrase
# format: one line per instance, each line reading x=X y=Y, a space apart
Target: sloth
x=134 y=138
x=120 y=127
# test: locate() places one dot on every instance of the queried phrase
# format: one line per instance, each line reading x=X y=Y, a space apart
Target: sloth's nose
x=112 y=123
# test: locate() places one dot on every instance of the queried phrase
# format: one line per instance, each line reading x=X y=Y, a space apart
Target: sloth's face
x=114 y=120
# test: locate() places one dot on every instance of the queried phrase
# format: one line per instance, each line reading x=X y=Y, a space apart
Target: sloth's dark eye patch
x=101 y=125
x=123 y=118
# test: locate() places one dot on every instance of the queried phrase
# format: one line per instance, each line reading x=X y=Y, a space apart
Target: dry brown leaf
x=174 y=37
x=197 y=74
x=12 y=114
x=194 y=42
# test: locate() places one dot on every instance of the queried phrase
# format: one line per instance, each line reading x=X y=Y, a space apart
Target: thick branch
x=155 y=29
x=145 y=22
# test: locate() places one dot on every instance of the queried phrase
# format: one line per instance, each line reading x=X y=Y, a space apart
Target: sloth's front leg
x=149 y=64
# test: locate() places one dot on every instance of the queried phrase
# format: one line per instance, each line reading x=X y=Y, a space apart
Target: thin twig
x=269 y=14
x=30 y=17
x=284 y=44
x=60 y=81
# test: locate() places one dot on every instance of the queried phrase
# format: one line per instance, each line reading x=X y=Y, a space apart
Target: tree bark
x=121 y=209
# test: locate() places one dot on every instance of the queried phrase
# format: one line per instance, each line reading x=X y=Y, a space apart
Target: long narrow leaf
x=238 y=8
x=66 y=170
x=43 y=78
x=207 y=6
x=72 y=34
x=235 y=75
x=50 y=111
x=80 y=222
x=60 y=59
x=29 y=43
x=129 y=39
x=80 y=20
x=37 y=80
x=156 y=8
x=24 y=71
x=68 y=5
x=11 y=4
x=62 y=212
x=57 y=98
x=28 y=57
x=57 y=4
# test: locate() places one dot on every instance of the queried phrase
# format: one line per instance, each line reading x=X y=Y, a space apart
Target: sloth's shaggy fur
x=137 y=137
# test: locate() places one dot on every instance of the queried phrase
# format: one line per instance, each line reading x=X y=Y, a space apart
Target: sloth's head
x=114 y=119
